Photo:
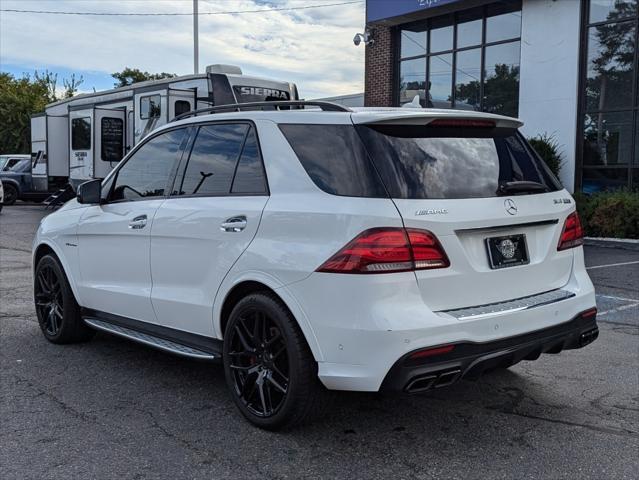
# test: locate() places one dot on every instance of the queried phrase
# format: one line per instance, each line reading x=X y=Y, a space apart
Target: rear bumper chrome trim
x=510 y=306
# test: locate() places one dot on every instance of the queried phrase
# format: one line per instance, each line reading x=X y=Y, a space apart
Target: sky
x=311 y=47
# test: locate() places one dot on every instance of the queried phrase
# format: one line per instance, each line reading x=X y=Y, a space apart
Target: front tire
x=269 y=368
x=57 y=310
x=10 y=194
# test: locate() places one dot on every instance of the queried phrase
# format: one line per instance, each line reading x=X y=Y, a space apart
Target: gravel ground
x=115 y=409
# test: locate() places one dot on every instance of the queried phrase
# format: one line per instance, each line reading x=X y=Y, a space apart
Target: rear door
x=210 y=219
x=463 y=182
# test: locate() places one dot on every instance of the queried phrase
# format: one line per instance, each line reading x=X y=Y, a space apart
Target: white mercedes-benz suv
x=316 y=249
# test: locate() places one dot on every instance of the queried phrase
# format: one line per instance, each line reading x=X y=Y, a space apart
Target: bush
x=547 y=148
x=610 y=214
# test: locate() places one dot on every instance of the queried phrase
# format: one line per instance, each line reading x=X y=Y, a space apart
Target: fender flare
x=284 y=294
x=63 y=262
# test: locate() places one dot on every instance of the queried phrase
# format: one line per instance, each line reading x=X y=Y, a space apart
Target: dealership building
x=567 y=68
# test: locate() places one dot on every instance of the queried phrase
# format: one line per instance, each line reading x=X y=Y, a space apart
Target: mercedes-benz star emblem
x=507 y=248
x=510 y=206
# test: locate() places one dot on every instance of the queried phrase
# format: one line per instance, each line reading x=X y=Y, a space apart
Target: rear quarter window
x=335 y=159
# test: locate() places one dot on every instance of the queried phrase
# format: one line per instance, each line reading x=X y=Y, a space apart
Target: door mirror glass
x=90 y=192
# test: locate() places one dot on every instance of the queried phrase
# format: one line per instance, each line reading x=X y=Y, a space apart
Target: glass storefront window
x=413 y=42
x=503 y=27
x=501 y=79
x=468 y=80
x=609 y=128
x=441 y=80
x=441 y=39
x=608 y=138
x=462 y=65
x=609 y=80
x=597 y=179
x=607 y=10
x=469 y=34
x=412 y=80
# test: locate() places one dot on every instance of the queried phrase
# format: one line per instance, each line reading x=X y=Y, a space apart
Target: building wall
x=378 y=81
x=549 y=75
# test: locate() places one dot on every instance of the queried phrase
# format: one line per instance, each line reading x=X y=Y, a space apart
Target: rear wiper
x=521 y=186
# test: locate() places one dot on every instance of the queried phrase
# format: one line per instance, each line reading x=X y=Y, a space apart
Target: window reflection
x=441 y=78
x=611 y=50
x=503 y=27
x=412 y=81
x=604 y=10
x=468 y=80
x=413 y=43
x=469 y=33
x=501 y=87
x=441 y=39
x=608 y=138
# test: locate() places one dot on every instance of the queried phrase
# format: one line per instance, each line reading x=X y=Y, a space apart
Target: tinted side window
x=147 y=172
x=213 y=158
x=249 y=175
x=81 y=133
x=335 y=159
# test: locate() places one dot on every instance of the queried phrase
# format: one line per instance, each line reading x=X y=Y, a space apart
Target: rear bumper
x=469 y=360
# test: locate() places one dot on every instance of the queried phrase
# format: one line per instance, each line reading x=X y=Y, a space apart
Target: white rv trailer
x=84 y=137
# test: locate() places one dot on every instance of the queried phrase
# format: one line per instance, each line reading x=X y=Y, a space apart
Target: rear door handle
x=234 y=224
x=138 y=222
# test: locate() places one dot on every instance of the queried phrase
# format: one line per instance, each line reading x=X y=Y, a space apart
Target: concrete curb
x=622 y=243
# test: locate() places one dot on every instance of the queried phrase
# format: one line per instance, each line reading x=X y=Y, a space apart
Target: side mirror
x=90 y=192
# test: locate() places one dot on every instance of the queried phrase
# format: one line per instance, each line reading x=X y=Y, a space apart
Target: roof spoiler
x=425 y=116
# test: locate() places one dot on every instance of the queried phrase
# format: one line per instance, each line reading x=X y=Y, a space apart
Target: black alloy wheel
x=259 y=363
x=57 y=310
x=49 y=300
x=269 y=368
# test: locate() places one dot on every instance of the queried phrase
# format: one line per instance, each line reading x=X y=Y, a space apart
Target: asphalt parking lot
x=115 y=409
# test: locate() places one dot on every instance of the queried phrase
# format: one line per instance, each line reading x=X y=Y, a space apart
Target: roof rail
x=325 y=106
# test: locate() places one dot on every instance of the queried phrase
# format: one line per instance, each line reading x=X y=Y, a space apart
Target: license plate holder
x=507 y=251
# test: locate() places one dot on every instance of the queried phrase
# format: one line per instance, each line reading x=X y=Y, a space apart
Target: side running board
x=151 y=340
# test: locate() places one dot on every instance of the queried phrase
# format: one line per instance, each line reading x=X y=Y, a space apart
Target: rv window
x=213 y=159
x=249 y=176
x=182 y=106
x=146 y=173
x=150 y=107
x=81 y=133
x=112 y=139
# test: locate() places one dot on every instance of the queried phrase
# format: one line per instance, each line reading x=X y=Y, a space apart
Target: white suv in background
x=325 y=248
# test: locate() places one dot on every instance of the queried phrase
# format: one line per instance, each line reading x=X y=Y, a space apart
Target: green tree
x=129 y=76
x=19 y=99
x=22 y=97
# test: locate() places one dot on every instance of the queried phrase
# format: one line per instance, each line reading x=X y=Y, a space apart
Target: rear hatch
x=478 y=186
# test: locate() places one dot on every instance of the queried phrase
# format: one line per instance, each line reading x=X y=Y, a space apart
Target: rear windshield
x=431 y=162
x=415 y=162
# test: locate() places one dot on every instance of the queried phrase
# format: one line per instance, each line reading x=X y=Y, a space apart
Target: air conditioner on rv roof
x=221 y=68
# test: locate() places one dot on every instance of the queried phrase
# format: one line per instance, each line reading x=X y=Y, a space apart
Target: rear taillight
x=572 y=234
x=386 y=250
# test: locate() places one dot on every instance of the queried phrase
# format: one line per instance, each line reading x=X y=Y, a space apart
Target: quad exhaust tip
x=434 y=380
x=589 y=336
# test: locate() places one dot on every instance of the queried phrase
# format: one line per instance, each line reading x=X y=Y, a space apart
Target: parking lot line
x=612 y=265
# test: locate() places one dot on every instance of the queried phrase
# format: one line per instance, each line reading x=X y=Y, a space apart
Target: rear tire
x=10 y=194
x=57 y=310
x=269 y=368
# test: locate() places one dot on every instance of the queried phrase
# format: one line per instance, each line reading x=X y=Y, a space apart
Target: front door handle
x=234 y=224
x=138 y=222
